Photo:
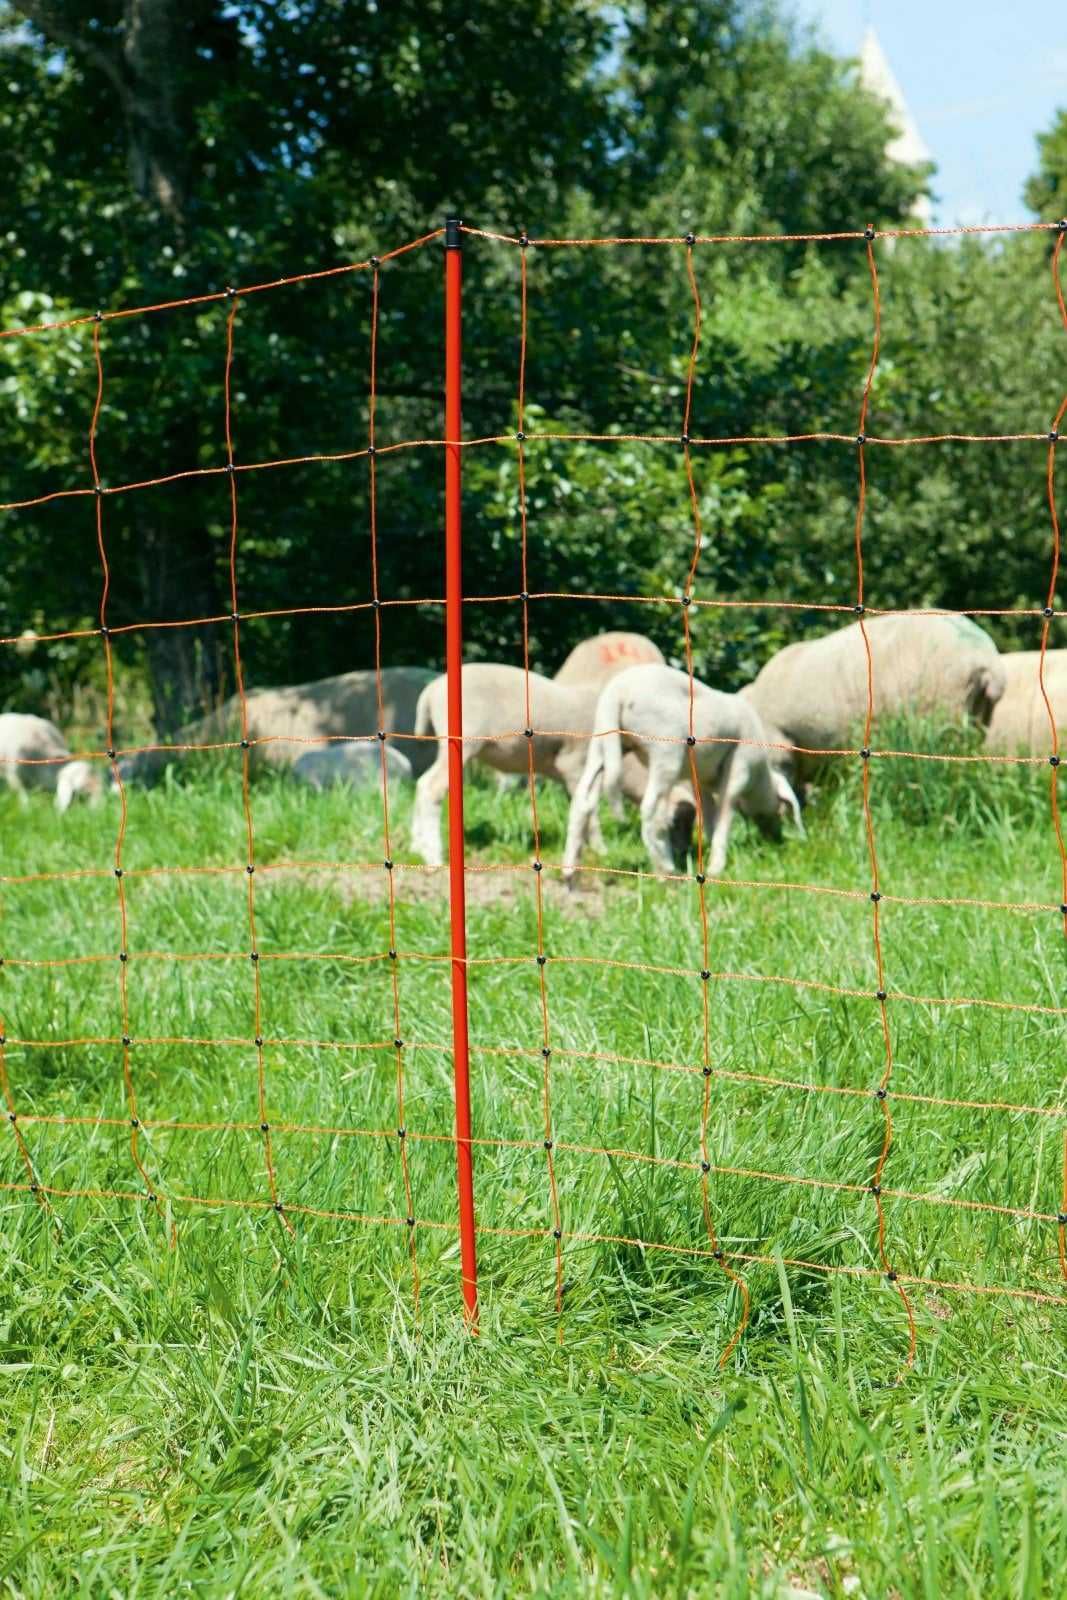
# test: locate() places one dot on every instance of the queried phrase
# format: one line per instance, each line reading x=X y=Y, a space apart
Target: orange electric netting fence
x=543 y=1148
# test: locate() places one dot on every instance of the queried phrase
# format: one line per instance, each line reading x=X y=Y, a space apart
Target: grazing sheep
x=357 y=764
x=291 y=718
x=650 y=706
x=34 y=755
x=594 y=661
x=494 y=703
x=814 y=694
x=1020 y=724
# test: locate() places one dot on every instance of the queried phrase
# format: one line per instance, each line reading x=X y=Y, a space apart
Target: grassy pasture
x=251 y=1412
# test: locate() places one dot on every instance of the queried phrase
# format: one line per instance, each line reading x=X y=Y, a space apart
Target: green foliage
x=1046 y=190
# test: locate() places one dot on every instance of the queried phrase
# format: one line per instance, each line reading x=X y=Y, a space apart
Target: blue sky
x=981 y=80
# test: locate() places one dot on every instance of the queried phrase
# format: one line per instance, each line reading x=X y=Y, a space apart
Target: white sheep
x=1020 y=717
x=289 y=720
x=649 y=708
x=813 y=694
x=34 y=755
x=494 y=723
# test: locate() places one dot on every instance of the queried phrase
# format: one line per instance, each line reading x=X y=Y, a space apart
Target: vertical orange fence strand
x=882 y=1092
x=718 y=1254
x=246 y=789
x=537 y=864
x=387 y=842
x=456 y=841
x=112 y=756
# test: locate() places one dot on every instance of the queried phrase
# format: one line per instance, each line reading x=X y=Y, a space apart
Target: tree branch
x=49 y=20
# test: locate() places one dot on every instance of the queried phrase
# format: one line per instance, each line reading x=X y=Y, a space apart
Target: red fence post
x=454 y=667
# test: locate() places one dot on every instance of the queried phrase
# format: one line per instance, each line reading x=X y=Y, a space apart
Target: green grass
x=255 y=1413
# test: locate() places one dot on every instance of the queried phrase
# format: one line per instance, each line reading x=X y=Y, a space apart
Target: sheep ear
x=787 y=801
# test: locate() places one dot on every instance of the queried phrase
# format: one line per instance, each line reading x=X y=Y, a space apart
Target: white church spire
x=907 y=144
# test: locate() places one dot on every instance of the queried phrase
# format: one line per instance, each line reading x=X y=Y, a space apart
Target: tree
x=1046 y=189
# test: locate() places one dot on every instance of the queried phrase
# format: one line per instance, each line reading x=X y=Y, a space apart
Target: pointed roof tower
x=907 y=144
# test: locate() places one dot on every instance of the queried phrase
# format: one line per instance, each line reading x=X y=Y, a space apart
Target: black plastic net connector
x=152 y=1199
x=375 y=262
x=557 y=1233
x=541 y=960
x=246 y=744
x=687 y=599
x=1063 y=909
x=258 y=1041
x=520 y=437
x=859 y=609
x=398 y=1044
x=118 y=872
x=392 y=955
x=401 y=1133
x=1048 y=613
x=705 y=974
x=1053 y=436
x=876 y=1189
x=410 y=1221
x=524 y=596
x=98 y=316
x=12 y=1116
x=880 y=1094
x=701 y=877
x=124 y=956
x=98 y=488
x=868 y=232
x=690 y=740
x=264 y=1127
x=891 y=1276
x=546 y=1051
x=1053 y=761
x=376 y=604
x=1062 y=225
x=387 y=864
x=111 y=753
x=135 y=1122
x=372 y=449
x=3 y=1038
x=690 y=239
x=865 y=754
x=548 y=1144
x=705 y=1166
x=683 y=440
x=34 y=1188
x=1061 y=1219
x=876 y=895
x=253 y=955
x=880 y=994
x=538 y=866
x=127 y=1041
x=279 y=1205
x=382 y=734
x=229 y=467
x=706 y=1071
x=235 y=616
x=524 y=240
x=718 y=1255
x=230 y=291
x=250 y=869
x=527 y=733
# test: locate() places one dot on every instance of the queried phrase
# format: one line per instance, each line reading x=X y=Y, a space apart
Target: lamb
x=494 y=720
x=649 y=706
x=814 y=694
x=291 y=718
x=1020 y=717
x=34 y=755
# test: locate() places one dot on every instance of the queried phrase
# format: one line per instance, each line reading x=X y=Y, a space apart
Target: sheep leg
x=584 y=813
x=735 y=778
x=14 y=782
x=430 y=792
x=662 y=775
